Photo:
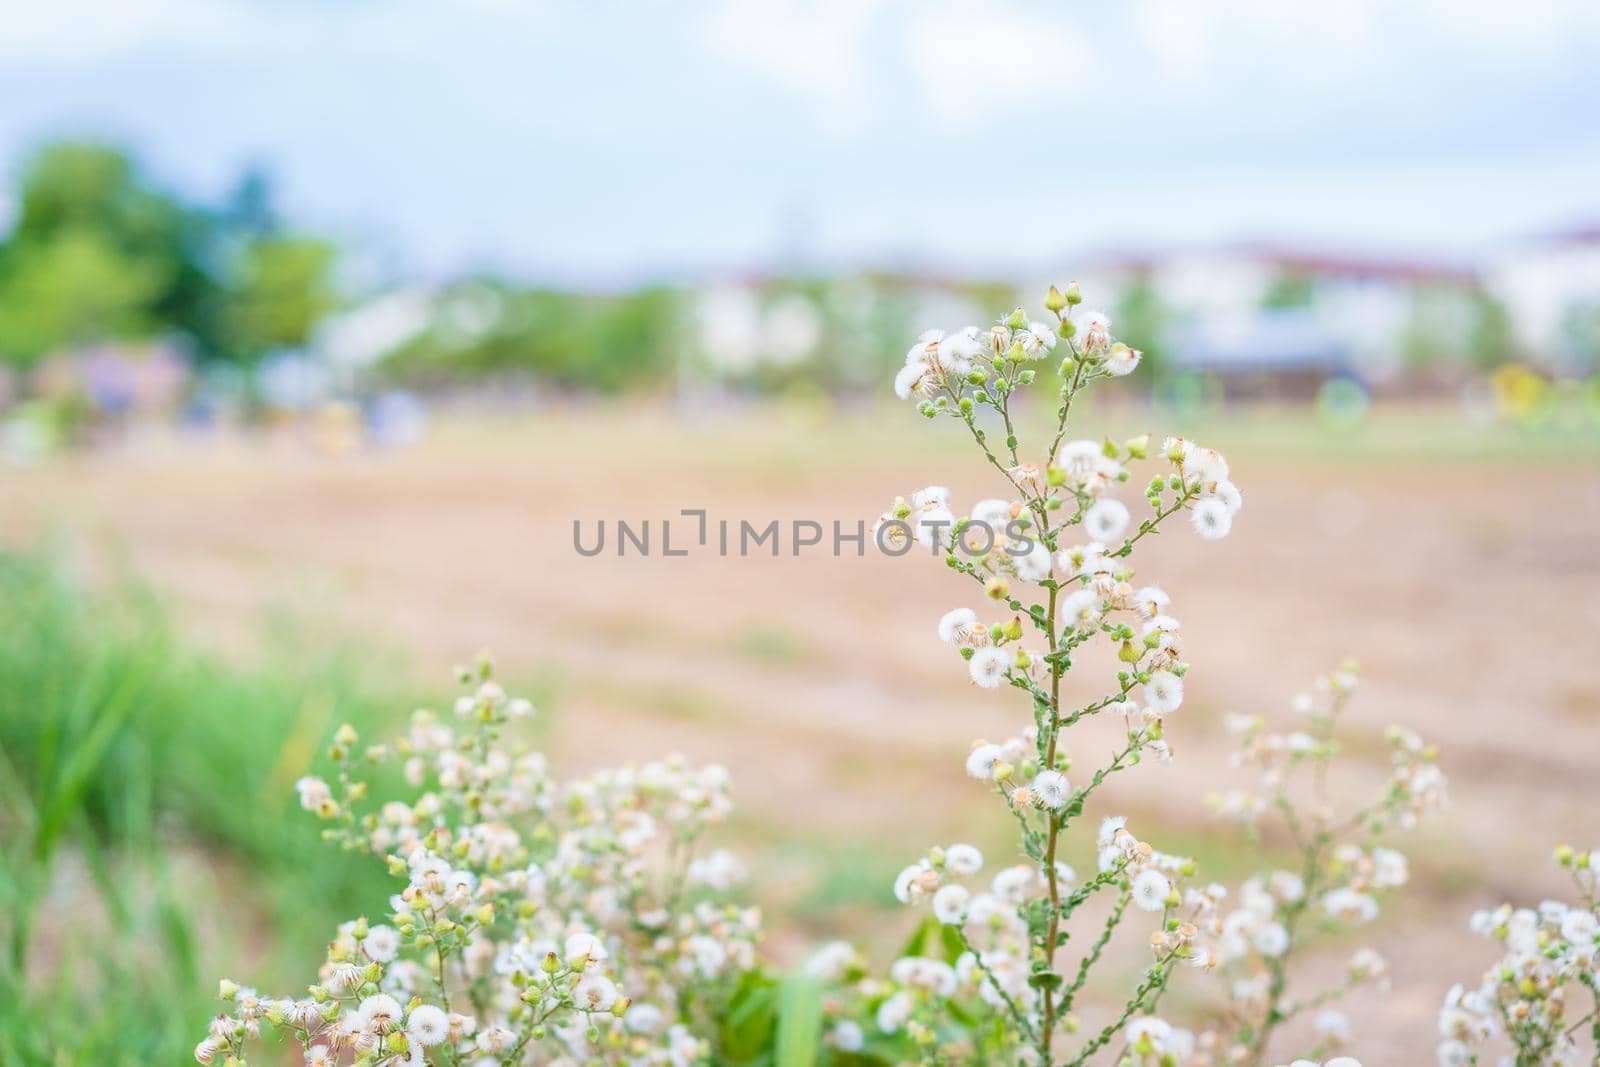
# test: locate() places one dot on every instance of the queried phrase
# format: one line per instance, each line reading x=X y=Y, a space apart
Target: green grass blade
x=799 y=1021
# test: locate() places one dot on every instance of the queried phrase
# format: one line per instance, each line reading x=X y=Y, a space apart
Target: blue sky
x=606 y=141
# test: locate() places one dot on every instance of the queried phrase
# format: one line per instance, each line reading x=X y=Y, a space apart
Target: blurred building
x=1262 y=320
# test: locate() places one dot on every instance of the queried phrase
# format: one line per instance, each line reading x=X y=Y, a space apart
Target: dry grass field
x=1461 y=568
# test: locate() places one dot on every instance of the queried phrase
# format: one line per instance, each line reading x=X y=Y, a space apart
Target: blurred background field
x=320 y=326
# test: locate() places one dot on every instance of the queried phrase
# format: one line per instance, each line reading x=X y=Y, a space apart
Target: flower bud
x=1074 y=295
x=1055 y=300
x=227 y=990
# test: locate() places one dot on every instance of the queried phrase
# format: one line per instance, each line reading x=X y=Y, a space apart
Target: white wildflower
x=1164 y=691
x=427 y=1025
x=1051 y=790
x=1211 y=518
x=1106 y=520
x=983 y=759
x=950 y=904
x=1150 y=890
x=988 y=666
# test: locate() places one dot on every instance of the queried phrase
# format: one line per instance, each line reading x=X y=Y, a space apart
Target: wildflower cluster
x=1051 y=556
x=1340 y=874
x=1523 y=1000
x=537 y=921
x=548 y=922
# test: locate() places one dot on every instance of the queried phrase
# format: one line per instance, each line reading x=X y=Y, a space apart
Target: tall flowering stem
x=1052 y=551
x=1342 y=869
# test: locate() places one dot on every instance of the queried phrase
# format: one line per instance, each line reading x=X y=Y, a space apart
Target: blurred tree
x=75 y=289
x=1290 y=289
x=99 y=252
x=486 y=329
x=1491 y=341
x=281 y=288
x=251 y=206
x=1142 y=319
x=635 y=341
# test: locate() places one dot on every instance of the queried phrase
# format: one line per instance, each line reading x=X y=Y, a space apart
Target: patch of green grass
x=767 y=644
x=850 y=878
x=149 y=836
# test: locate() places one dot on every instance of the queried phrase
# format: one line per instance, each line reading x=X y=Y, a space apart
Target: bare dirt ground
x=1468 y=589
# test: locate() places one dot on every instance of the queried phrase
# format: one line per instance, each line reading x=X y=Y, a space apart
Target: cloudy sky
x=606 y=141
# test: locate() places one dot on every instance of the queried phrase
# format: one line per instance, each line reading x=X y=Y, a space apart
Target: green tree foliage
x=100 y=252
x=76 y=288
x=95 y=253
x=1492 y=341
x=1289 y=289
x=1142 y=318
x=484 y=329
x=282 y=290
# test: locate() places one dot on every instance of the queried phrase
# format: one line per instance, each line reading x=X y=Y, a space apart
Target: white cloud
x=84 y=31
x=814 y=49
x=974 y=61
x=1203 y=37
x=963 y=61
